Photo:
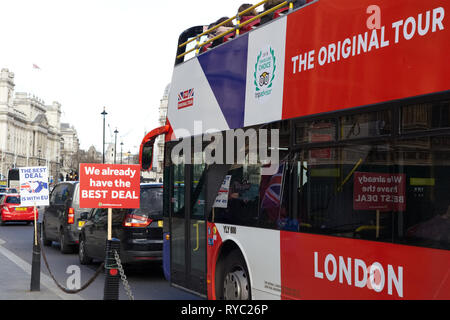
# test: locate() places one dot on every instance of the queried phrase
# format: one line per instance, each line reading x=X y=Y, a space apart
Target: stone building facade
x=30 y=133
x=160 y=141
x=70 y=150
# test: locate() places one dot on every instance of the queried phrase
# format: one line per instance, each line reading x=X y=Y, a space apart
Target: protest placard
x=109 y=186
x=222 y=196
x=379 y=191
x=33 y=186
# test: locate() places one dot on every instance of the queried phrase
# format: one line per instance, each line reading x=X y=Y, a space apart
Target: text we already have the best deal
x=109 y=186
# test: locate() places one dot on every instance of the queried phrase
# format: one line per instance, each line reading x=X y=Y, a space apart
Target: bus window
x=426 y=221
x=363 y=125
x=426 y=116
x=393 y=191
x=242 y=205
x=315 y=131
x=326 y=199
x=274 y=199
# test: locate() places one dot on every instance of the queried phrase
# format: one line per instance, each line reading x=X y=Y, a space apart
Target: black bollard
x=36 y=263
x=112 y=275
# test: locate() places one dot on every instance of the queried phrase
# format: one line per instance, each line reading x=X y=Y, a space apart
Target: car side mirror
x=84 y=215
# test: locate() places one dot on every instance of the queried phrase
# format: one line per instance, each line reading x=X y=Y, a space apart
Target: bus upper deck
x=313 y=60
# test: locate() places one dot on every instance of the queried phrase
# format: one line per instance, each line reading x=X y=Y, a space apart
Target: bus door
x=188 y=227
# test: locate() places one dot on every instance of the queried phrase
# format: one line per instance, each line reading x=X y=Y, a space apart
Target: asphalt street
x=146 y=282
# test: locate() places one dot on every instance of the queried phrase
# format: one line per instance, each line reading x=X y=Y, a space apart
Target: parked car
x=11 y=211
x=61 y=218
x=139 y=230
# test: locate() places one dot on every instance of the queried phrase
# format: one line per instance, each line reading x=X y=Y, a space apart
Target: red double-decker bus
x=355 y=99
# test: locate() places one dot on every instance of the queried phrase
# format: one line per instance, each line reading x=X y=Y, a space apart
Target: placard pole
x=35 y=225
x=378 y=224
x=109 y=223
x=35 y=284
x=112 y=276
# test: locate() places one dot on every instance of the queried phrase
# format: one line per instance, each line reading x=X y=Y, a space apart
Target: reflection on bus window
x=369 y=124
x=274 y=200
x=413 y=210
x=242 y=206
x=426 y=116
x=315 y=131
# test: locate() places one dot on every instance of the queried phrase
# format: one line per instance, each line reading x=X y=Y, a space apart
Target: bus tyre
x=82 y=254
x=45 y=240
x=235 y=281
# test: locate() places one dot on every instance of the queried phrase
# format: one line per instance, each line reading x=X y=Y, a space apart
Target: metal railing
x=236 y=28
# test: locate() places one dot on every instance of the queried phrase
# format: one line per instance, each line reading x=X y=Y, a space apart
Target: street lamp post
x=121 y=145
x=115 y=144
x=104 y=113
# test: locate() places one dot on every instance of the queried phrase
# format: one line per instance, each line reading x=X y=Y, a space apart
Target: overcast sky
x=94 y=53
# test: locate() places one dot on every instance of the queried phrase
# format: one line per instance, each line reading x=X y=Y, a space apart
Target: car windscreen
x=151 y=203
x=14 y=200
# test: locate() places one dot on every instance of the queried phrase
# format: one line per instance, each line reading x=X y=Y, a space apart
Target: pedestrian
x=247 y=16
x=209 y=36
x=223 y=28
x=227 y=26
x=273 y=3
x=250 y=13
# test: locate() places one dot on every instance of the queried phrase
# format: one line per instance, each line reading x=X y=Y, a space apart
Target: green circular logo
x=264 y=73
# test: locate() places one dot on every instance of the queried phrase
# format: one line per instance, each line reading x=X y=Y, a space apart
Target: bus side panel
x=265 y=73
x=256 y=245
x=323 y=267
x=324 y=71
x=193 y=107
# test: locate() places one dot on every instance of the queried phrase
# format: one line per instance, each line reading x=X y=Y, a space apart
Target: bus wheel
x=236 y=282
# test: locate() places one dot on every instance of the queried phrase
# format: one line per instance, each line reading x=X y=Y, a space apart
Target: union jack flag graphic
x=271 y=197
x=34 y=187
x=186 y=99
x=25 y=186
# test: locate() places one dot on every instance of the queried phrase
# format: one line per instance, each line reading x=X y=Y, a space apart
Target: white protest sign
x=222 y=196
x=33 y=186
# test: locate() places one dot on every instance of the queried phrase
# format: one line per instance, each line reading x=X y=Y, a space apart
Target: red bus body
x=331 y=58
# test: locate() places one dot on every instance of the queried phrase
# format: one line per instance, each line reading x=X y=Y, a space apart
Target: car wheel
x=236 y=282
x=2 y=223
x=45 y=241
x=82 y=254
x=64 y=246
